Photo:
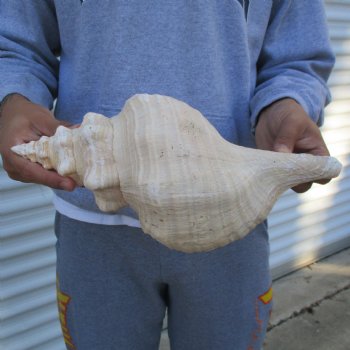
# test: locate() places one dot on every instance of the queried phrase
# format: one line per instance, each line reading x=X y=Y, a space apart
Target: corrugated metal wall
x=28 y=313
x=302 y=228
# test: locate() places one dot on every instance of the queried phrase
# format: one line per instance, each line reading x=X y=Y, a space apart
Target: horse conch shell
x=193 y=190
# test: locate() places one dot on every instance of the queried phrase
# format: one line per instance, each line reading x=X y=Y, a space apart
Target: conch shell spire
x=193 y=191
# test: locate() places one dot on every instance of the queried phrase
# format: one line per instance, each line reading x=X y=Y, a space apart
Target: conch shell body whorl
x=193 y=191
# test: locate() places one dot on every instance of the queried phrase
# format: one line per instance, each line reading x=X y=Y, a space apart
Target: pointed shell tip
x=18 y=149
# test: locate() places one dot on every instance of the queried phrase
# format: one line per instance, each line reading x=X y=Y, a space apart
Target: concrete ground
x=311 y=308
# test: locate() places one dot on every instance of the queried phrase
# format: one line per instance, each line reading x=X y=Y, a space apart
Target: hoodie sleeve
x=29 y=43
x=296 y=59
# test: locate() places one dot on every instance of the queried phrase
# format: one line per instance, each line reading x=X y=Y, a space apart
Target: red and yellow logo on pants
x=261 y=302
x=266 y=297
x=63 y=301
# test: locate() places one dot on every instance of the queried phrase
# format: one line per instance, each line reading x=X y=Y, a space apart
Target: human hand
x=284 y=126
x=22 y=121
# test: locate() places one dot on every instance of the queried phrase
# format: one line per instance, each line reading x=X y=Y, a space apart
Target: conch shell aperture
x=193 y=190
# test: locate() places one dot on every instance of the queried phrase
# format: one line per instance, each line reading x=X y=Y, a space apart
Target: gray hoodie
x=227 y=58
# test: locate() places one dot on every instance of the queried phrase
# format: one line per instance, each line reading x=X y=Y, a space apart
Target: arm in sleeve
x=296 y=59
x=29 y=42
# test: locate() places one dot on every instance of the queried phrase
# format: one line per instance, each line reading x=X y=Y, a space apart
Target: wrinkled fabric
x=115 y=283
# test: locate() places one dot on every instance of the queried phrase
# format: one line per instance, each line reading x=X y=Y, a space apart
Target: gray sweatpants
x=114 y=284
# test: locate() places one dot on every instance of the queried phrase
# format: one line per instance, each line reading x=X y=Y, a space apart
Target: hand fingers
x=65 y=123
x=24 y=122
x=287 y=136
x=48 y=128
x=68 y=124
x=302 y=187
x=320 y=148
x=323 y=181
x=75 y=126
x=305 y=187
x=23 y=170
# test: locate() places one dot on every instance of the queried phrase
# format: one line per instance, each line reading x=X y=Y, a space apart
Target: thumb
x=283 y=148
x=46 y=125
x=286 y=138
x=68 y=124
x=49 y=126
